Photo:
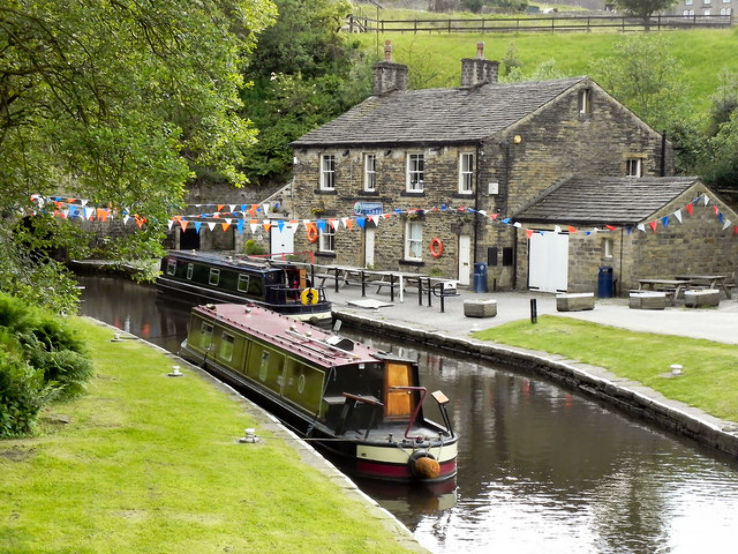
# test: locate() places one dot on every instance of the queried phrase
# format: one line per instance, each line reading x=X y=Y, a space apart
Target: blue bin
x=604 y=282
x=480 y=277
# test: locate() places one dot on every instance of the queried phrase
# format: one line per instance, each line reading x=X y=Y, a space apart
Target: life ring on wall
x=312 y=233
x=436 y=247
x=309 y=296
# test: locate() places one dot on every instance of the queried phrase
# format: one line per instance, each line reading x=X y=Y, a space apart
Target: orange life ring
x=436 y=247
x=312 y=233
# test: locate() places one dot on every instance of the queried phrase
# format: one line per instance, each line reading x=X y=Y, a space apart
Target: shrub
x=252 y=247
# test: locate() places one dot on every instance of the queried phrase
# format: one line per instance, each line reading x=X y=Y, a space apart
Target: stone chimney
x=389 y=76
x=478 y=71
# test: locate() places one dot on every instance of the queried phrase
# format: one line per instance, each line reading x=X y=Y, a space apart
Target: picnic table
x=672 y=287
x=709 y=281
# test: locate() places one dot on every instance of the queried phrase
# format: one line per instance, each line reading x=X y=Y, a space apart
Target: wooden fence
x=536 y=24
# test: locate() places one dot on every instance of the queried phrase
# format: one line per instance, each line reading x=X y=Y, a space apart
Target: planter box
x=480 y=308
x=701 y=298
x=573 y=302
x=648 y=300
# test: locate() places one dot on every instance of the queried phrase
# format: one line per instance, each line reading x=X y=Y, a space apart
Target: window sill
x=416 y=193
x=368 y=193
x=469 y=194
x=325 y=254
x=416 y=263
x=325 y=191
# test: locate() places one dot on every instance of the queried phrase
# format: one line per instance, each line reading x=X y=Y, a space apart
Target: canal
x=540 y=468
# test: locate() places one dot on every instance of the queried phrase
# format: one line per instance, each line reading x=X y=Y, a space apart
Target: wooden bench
x=701 y=298
x=647 y=300
x=480 y=308
x=574 y=301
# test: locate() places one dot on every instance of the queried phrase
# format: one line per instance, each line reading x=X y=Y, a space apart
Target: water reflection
x=539 y=467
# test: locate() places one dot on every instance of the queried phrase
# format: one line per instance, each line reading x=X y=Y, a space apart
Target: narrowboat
x=279 y=286
x=363 y=407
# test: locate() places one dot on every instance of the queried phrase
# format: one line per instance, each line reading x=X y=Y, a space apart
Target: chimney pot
x=388 y=50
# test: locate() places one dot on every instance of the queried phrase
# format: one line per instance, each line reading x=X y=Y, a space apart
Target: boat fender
x=309 y=296
x=423 y=465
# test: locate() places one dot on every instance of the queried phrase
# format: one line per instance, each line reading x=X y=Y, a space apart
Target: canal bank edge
x=306 y=452
x=628 y=396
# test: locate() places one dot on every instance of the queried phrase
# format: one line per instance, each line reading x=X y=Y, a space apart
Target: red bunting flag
x=689 y=208
x=386 y=216
x=611 y=227
x=493 y=216
x=715 y=209
x=252 y=210
x=529 y=233
x=735 y=230
x=653 y=225
x=572 y=229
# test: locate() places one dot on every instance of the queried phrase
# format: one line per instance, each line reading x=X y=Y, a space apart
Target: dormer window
x=585 y=101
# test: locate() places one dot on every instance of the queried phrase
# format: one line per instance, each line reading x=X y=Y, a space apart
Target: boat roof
x=234 y=262
x=320 y=347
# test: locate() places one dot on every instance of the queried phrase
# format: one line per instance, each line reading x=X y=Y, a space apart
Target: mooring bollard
x=533 y=311
x=363 y=284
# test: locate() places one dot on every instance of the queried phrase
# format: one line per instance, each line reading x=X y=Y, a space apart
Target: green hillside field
x=702 y=53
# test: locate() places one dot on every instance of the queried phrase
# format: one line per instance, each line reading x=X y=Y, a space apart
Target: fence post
x=420 y=291
x=336 y=279
x=430 y=292
x=415 y=27
x=392 y=287
x=441 y=289
x=363 y=284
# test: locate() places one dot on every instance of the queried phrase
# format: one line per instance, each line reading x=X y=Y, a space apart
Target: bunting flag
x=198 y=224
x=678 y=215
x=689 y=208
x=653 y=225
x=665 y=221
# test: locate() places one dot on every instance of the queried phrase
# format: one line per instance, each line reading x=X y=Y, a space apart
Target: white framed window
x=707 y=12
x=633 y=167
x=328 y=172
x=688 y=2
x=466 y=173
x=171 y=267
x=327 y=239
x=607 y=248
x=706 y=3
x=414 y=240
x=370 y=172
x=415 y=172
x=585 y=101
x=726 y=2
x=214 y=277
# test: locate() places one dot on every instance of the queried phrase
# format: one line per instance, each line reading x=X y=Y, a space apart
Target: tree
x=119 y=103
x=644 y=76
x=644 y=9
x=305 y=72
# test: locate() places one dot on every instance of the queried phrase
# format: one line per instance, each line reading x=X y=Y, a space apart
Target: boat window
x=398 y=403
x=226 y=347
x=206 y=335
x=264 y=365
x=243 y=282
x=190 y=271
x=214 y=276
x=171 y=266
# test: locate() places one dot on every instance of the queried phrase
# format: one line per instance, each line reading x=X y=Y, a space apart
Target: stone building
x=453 y=163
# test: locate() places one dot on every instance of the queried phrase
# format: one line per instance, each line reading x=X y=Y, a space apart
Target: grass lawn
x=709 y=381
x=148 y=463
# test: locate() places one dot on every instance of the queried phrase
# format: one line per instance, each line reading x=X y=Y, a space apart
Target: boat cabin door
x=398 y=404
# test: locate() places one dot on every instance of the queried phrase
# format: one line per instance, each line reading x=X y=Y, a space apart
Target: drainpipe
x=478 y=159
x=663 y=154
x=620 y=280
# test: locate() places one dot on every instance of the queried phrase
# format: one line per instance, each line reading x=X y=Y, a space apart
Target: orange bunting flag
x=572 y=229
x=225 y=225
x=653 y=225
x=386 y=216
x=183 y=223
x=689 y=208
x=252 y=210
x=529 y=233
x=349 y=223
x=221 y=206
x=140 y=221
x=267 y=226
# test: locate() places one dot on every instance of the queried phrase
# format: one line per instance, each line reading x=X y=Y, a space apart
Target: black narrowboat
x=278 y=286
x=363 y=407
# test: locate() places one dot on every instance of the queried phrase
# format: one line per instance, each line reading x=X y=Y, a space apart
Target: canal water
x=540 y=469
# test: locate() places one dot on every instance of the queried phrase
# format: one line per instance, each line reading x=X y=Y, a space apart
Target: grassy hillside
x=436 y=57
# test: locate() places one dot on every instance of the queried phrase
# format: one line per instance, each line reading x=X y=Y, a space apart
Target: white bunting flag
x=344 y=220
x=707 y=200
x=557 y=229
x=211 y=225
x=375 y=219
x=253 y=227
x=678 y=215
x=727 y=224
x=232 y=207
x=641 y=227
x=170 y=223
x=125 y=219
x=517 y=224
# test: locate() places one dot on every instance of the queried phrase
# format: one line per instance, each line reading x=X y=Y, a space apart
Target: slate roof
x=623 y=200
x=436 y=115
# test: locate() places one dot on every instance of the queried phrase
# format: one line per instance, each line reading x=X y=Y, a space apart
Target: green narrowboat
x=362 y=406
